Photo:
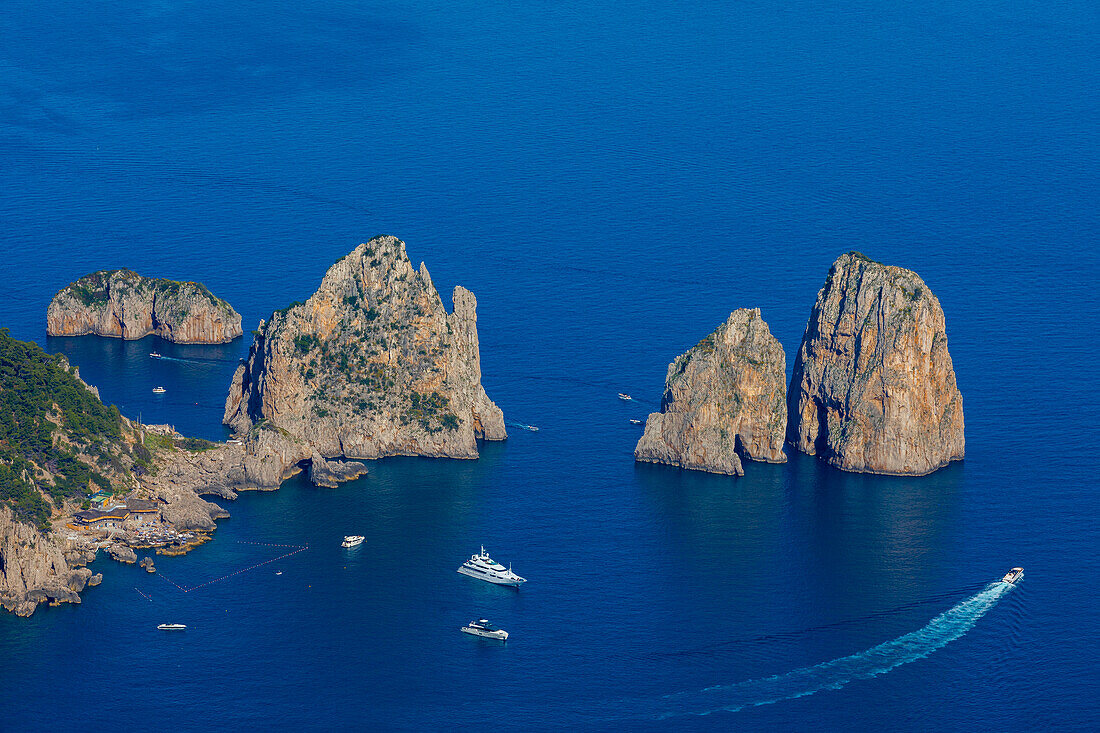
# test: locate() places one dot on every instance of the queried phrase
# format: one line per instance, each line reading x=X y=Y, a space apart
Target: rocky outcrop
x=122 y=553
x=33 y=568
x=329 y=474
x=724 y=400
x=371 y=365
x=123 y=304
x=873 y=387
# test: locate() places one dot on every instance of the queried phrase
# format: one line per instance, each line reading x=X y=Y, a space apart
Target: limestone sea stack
x=124 y=304
x=371 y=365
x=873 y=387
x=724 y=400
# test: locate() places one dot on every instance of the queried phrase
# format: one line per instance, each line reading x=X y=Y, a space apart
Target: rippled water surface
x=611 y=182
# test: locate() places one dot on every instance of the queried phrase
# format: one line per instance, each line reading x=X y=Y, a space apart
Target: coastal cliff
x=371 y=365
x=873 y=387
x=724 y=400
x=123 y=304
x=59 y=444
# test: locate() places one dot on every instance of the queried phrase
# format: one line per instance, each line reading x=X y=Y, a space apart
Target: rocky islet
x=873 y=387
x=124 y=304
x=724 y=400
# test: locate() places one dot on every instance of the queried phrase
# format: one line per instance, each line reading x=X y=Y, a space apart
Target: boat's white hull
x=171 y=627
x=499 y=634
x=513 y=581
x=352 y=543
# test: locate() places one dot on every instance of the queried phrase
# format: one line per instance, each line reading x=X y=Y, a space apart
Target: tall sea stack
x=873 y=387
x=371 y=365
x=724 y=400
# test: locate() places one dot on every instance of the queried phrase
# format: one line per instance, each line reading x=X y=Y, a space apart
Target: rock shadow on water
x=883 y=539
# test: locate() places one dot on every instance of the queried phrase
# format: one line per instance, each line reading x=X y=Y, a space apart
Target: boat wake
x=833 y=675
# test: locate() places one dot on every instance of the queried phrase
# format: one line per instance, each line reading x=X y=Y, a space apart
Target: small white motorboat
x=486 y=630
x=171 y=627
x=159 y=390
x=635 y=421
x=623 y=396
x=352 y=540
x=278 y=572
x=1013 y=575
x=154 y=355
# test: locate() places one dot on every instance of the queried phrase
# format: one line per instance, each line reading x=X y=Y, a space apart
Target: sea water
x=611 y=181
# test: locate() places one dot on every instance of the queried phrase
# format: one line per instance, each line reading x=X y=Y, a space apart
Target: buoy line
x=299 y=548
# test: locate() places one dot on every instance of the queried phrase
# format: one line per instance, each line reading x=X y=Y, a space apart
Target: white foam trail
x=832 y=675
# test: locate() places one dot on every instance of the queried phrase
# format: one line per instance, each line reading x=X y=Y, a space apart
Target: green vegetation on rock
x=55 y=434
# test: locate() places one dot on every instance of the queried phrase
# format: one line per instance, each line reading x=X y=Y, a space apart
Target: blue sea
x=611 y=180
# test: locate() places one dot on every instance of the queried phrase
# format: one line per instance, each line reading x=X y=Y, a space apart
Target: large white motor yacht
x=352 y=540
x=483 y=628
x=484 y=567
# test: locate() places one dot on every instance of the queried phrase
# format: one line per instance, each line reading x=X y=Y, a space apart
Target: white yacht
x=171 y=627
x=154 y=355
x=483 y=628
x=624 y=396
x=484 y=567
x=159 y=390
x=1013 y=575
x=352 y=540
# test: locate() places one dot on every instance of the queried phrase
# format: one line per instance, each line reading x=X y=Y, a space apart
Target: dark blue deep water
x=611 y=181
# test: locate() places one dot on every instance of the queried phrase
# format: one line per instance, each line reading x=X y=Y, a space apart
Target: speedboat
x=1013 y=575
x=352 y=540
x=485 y=568
x=623 y=396
x=484 y=629
x=635 y=421
x=154 y=355
x=171 y=627
x=159 y=390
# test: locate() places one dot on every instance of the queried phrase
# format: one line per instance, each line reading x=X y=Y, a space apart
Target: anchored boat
x=484 y=629
x=352 y=540
x=159 y=390
x=171 y=627
x=485 y=568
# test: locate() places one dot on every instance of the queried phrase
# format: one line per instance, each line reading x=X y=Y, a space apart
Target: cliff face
x=371 y=365
x=873 y=387
x=724 y=399
x=35 y=568
x=123 y=304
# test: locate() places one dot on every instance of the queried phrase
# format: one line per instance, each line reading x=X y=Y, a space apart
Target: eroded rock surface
x=33 y=568
x=124 y=304
x=873 y=387
x=724 y=400
x=371 y=365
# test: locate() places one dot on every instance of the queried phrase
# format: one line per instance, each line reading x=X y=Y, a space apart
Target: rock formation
x=34 y=568
x=724 y=399
x=371 y=365
x=873 y=387
x=123 y=304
